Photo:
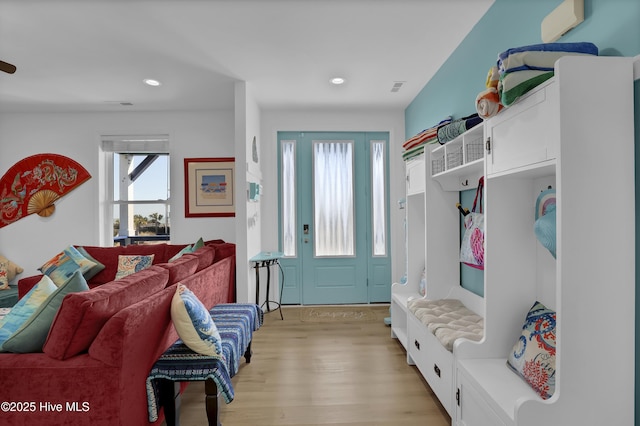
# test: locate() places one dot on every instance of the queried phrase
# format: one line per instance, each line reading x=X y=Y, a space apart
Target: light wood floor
x=341 y=372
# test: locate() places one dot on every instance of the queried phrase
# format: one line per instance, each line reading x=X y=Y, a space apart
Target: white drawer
x=433 y=360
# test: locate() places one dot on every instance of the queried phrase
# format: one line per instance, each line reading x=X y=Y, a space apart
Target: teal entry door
x=333 y=226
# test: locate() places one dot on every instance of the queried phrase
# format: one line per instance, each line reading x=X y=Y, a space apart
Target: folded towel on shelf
x=515 y=84
x=457 y=127
x=413 y=152
x=488 y=103
x=540 y=57
x=493 y=76
x=426 y=136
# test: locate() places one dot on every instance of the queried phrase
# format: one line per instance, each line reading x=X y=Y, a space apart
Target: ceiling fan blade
x=7 y=67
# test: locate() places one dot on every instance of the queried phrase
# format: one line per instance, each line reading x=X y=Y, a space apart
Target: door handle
x=305 y=229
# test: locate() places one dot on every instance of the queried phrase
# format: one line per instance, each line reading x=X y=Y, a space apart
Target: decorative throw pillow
x=95 y=269
x=12 y=268
x=198 y=244
x=533 y=356
x=4 y=276
x=62 y=266
x=31 y=335
x=194 y=324
x=178 y=255
x=26 y=307
x=130 y=264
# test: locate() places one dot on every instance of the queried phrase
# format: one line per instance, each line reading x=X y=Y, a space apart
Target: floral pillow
x=533 y=356
x=4 y=276
x=12 y=268
x=130 y=264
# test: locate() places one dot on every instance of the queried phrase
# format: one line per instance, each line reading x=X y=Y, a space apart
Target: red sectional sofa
x=103 y=342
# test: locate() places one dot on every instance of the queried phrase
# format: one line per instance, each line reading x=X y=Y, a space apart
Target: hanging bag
x=472 y=246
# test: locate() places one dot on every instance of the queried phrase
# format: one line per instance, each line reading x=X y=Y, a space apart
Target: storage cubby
x=457 y=165
x=415 y=248
x=576 y=135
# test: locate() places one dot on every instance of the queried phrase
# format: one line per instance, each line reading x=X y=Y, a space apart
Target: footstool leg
x=248 y=353
x=170 y=401
x=211 y=402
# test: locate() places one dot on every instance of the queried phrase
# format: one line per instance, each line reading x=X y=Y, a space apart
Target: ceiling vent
x=396 y=86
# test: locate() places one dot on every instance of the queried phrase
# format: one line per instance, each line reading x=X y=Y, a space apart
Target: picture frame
x=209 y=187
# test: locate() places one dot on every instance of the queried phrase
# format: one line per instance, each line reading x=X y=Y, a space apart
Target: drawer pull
x=436 y=369
x=416 y=344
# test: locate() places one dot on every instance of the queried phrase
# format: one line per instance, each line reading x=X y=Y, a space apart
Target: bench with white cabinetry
x=433 y=244
x=574 y=132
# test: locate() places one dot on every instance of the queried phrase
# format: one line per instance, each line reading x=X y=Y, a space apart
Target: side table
x=266 y=259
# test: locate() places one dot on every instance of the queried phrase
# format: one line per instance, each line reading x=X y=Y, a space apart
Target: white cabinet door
x=525 y=134
x=415 y=175
x=471 y=408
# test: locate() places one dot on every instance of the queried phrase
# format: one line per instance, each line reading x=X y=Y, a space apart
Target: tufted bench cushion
x=448 y=320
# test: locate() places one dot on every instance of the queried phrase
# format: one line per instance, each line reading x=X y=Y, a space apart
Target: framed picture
x=209 y=186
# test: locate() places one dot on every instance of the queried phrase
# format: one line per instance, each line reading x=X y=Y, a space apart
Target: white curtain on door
x=289 y=198
x=333 y=198
x=378 y=199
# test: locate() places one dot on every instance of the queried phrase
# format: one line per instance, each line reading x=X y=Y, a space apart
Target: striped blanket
x=236 y=323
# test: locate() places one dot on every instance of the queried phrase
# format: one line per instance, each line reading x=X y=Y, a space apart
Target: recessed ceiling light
x=337 y=80
x=151 y=82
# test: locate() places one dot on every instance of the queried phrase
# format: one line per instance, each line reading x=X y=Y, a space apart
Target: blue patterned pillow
x=25 y=307
x=62 y=266
x=130 y=264
x=533 y=356
x=194 y=324
x=31 y=335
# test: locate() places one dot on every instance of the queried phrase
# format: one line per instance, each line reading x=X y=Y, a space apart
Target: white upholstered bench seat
x=448 y=320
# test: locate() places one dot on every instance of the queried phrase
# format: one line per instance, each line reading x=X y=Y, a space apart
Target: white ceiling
x=91 y=55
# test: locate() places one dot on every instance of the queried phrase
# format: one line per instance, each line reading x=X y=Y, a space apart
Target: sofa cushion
x=25 y=307
x=82 y=315
x=181 y=268
x=109 y=257
x=32 y=333
x=131 y=263
x=194 y=323
x=223 y=250
x=205 y=256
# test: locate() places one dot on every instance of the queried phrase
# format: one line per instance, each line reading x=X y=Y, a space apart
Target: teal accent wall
x=612 y=25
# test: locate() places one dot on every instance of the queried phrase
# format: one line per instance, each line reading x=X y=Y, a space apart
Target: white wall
x=391 y=121
x=248 y=216
x=33 y=240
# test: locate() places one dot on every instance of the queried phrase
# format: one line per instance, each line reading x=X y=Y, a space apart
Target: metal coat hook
x=463 y=211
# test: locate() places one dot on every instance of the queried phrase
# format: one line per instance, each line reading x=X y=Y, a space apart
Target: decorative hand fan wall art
x=33 y=184
x=7 y=67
